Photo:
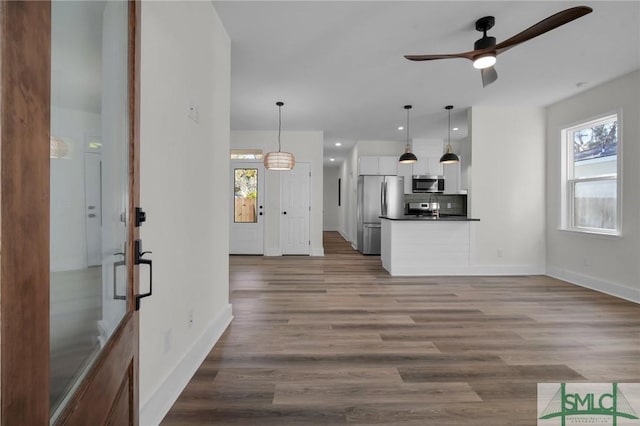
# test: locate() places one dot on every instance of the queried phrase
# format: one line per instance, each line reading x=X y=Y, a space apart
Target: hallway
x=335 y=340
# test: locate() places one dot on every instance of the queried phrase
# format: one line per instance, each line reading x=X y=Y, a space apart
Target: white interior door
x=295 y=188
x=247 y=208
x=93 y=207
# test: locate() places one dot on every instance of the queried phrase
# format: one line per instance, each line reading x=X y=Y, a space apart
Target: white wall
x=306 y=146
x=612 y=262
x=343 y=218
x=507 y=190
x=330 y=220
x=380 y=148
x=68 y=231
x=185 y=59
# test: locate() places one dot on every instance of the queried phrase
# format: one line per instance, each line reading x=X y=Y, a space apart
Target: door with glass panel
x=93 y=322
x=247 y=208
x=69 y=187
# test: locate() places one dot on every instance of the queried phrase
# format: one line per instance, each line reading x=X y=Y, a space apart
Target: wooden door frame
x=25 y=72
x=25 y=103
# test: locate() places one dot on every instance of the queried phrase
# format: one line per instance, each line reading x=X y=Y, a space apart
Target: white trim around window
x=591 y=187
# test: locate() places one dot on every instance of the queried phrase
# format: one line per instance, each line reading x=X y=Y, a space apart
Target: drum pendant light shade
x=408 y=157
x=279 y=160
x=449 y=157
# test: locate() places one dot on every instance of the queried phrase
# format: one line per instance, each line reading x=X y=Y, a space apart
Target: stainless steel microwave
x=427 y=183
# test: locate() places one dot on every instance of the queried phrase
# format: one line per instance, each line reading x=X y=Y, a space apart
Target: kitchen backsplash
x=455 y=204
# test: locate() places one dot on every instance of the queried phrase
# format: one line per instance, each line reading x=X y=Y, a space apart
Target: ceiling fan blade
x=466 y=55
x=547 y=24
x=489 y=75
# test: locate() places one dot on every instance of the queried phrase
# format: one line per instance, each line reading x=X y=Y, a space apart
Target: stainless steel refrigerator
x=377 y=196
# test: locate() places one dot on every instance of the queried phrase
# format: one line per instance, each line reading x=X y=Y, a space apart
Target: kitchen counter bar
x=414 y=217
x=422 y=246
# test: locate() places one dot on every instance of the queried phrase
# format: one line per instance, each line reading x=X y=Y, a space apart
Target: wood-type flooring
x=336 y=340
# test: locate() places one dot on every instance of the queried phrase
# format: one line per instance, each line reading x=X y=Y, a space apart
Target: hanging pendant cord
x=449 y=139
x=279 y=124
x=407 y=127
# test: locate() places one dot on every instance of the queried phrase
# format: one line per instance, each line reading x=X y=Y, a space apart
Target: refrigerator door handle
x=383 y=198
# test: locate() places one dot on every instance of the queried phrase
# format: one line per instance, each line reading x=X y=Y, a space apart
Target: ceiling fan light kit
x=408 y=157
x=486 y=61
x=485 y=49
x=449 y=157
x=279 y=160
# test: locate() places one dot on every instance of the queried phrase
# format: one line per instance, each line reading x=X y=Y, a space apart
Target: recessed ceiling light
x=455 y=128
x=338 y=144
x=332 y=159
x=400 y=127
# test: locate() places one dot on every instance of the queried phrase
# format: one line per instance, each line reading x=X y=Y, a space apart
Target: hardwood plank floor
x=335 y=340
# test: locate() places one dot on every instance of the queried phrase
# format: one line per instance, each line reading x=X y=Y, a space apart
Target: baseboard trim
x=471 y=270
x=345 y=236
x=158 y=405
x=272 y=252
x=597 y=284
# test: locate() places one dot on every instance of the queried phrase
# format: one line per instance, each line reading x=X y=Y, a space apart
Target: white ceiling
x=338 y=65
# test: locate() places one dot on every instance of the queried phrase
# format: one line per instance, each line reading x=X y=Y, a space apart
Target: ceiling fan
x=486 y=49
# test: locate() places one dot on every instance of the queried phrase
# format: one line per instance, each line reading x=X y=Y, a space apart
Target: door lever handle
x=140 y=261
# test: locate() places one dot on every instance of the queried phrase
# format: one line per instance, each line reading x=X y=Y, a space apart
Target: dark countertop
x=444 y=218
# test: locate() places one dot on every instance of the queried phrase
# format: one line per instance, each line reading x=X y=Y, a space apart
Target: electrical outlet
x=190 y=318
x=168 y=340
x=499 y=252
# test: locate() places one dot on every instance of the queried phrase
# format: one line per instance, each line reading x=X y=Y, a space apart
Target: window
x=245 y=189
x=246 y=154
x=591 y=202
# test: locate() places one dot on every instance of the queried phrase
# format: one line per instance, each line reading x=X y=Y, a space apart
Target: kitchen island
x=424 y=245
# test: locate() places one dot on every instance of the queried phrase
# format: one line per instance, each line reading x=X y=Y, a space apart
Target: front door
x=295 y=192
x=69 y=352
x=247 y=208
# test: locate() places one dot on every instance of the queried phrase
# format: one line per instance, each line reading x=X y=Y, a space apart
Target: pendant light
x=408 y=157
x=449 y=157
x=279 y=160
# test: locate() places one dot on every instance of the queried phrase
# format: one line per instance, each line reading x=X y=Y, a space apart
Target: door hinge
x=309 y=208
x=309 y=242
x=309 y=174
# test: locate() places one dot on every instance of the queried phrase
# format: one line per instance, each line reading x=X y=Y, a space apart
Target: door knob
x=260 y=214
x=91 y=215
x=91 y=207
x=284 y=212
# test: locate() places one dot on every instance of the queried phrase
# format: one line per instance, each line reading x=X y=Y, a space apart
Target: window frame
x=568 y=182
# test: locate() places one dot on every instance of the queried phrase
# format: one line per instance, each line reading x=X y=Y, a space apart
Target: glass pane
x=89 y=185
x=594 y=204
x=245 y=189
x=595 y=148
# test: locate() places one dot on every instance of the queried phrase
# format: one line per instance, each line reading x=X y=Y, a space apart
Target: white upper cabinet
x=368 y=165
x=387 y=166
x=452 y=178
x=434 y=167
x=420 y=167
x=406 y=170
